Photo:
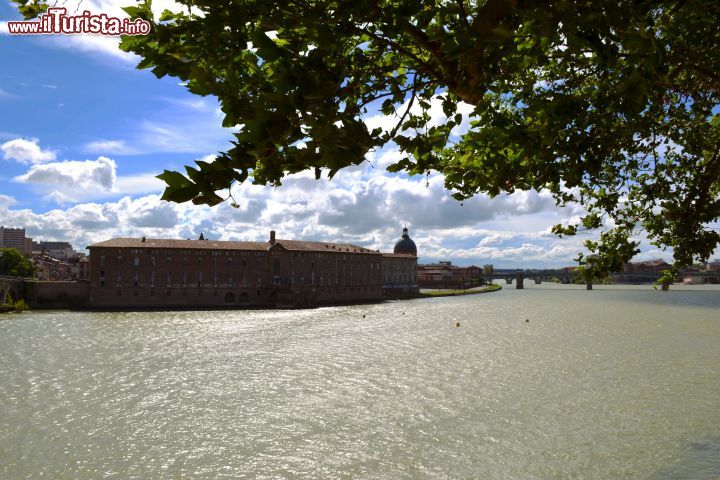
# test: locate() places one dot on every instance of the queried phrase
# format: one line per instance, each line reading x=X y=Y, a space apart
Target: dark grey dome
x=405 y=244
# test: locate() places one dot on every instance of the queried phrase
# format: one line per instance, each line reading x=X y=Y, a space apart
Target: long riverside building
x=147 y=273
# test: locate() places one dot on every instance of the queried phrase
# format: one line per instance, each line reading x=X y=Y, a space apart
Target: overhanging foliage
x=610 y=104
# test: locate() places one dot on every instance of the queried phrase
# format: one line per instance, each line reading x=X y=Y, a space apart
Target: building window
x=136 y=261
x=276 y=272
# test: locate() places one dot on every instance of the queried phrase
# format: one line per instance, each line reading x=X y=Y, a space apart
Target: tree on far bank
x=609 y=104
x=14 y=264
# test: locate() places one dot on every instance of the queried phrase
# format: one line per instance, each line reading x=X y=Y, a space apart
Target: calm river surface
x=616 y=383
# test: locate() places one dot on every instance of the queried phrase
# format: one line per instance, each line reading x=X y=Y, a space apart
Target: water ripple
x=603 y=384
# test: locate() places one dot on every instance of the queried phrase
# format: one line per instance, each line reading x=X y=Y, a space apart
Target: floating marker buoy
x=363 y=316
x=457 y=324
x=527 y=320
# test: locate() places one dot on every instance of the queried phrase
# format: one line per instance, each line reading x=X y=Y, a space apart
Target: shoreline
x=494 y=287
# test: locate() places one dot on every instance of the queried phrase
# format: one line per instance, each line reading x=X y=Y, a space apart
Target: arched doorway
x=229 y=297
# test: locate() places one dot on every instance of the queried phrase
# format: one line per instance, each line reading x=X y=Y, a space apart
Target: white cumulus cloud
x=98 y=173
x=72 y=180
x=6 y=200
x=26 y=151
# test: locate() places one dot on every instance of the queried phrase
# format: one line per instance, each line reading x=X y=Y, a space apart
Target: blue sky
x=83 y=133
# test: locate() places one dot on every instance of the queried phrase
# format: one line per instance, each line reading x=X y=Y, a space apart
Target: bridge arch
x=10 y=289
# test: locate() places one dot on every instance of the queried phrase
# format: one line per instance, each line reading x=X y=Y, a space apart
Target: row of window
x=243 y=296
x=322 y=278
x=171 y=259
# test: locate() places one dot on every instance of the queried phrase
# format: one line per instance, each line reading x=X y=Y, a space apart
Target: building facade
x=140 y=272
x=15 y=238
x=447 y=275
x=59 y=250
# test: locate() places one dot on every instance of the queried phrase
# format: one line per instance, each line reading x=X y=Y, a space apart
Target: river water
x=615 y=383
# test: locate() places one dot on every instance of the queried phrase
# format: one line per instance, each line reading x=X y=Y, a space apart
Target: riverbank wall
x=56 y=295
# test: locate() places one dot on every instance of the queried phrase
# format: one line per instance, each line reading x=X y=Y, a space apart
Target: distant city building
x=15 y=238
x=142 y=272
x=447 y=275
x=59 y=250
x=713 y=266
x=51 y=269
x=649 y=265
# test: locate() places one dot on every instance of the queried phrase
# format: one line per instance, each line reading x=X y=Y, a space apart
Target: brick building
x=447 y=275
x=140 y=272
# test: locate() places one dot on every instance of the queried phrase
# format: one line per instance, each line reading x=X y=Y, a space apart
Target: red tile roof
x=291 y=245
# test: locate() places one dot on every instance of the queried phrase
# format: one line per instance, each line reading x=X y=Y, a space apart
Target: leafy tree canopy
x=612 y=104
x=14 y=264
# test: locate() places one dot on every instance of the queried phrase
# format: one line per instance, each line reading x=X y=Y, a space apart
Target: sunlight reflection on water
x=613 y=383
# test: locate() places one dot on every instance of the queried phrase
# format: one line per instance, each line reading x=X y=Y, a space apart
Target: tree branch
x=407 y=110
x=432 y=47
x=396 y=46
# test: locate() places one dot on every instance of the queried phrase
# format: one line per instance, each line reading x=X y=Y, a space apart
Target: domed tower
x=405 y=245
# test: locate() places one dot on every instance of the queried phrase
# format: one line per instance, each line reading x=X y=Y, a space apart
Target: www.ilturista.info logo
x=56 y=22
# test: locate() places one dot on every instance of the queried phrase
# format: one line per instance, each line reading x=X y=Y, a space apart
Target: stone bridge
x=12 y=286
x=636 y=277
x=538 y=276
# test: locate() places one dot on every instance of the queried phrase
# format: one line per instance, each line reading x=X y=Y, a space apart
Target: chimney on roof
x=202 y=237
x=272 y=237
x=143 y=240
